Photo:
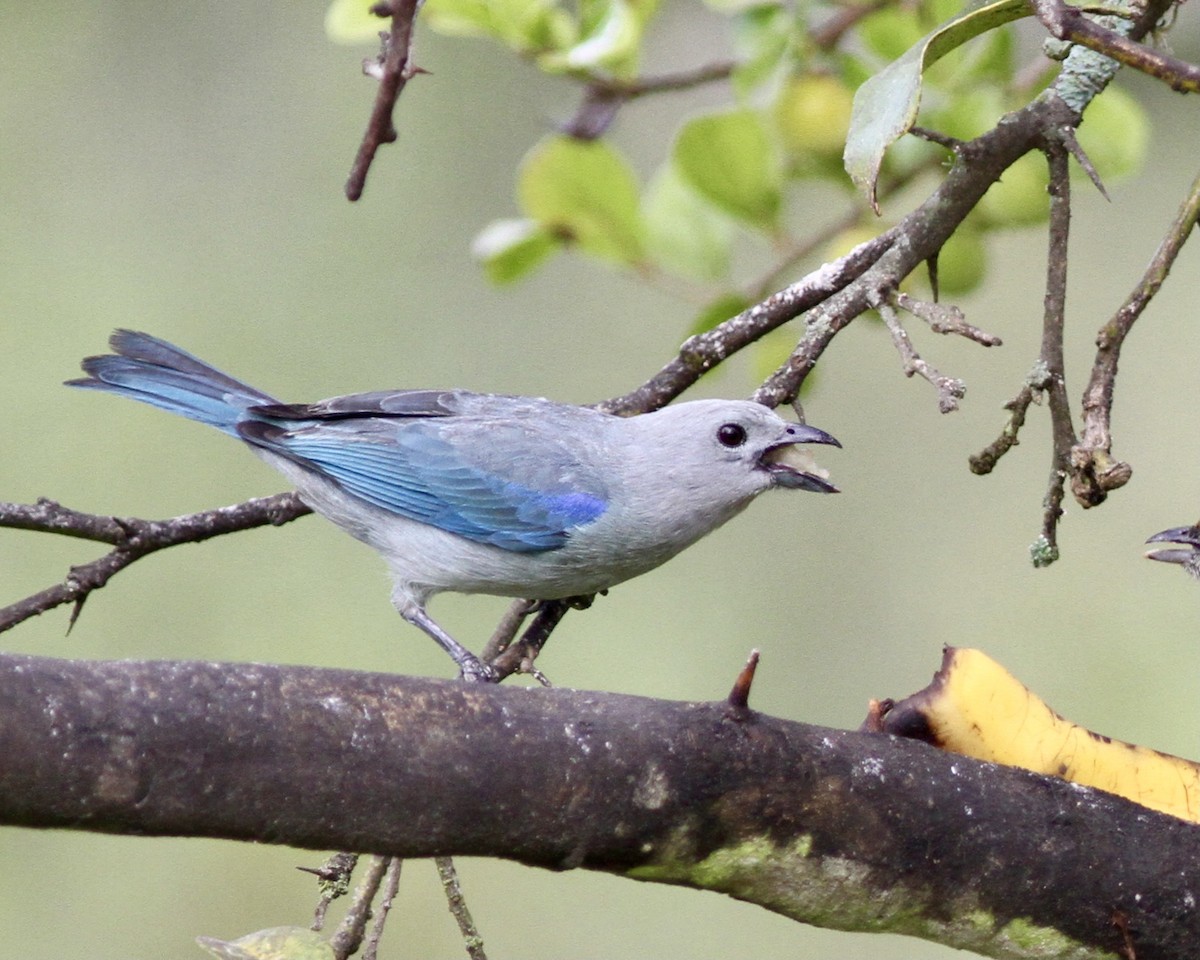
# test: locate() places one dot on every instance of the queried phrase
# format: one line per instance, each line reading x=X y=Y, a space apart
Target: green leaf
x=730 y=160
x=732 y=6
x=1019 y=197
x=762 y=35
x=612 y=43
x=889 y=32
x=583 y=193
x=683 y=231
x=524 y=25
x=968 y=114
x=277 y=943
x=509 y=249
x=351 y=21
x=885 y=107
x=1115 y=134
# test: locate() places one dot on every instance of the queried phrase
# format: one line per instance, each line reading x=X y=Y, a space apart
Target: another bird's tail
x=153 y=371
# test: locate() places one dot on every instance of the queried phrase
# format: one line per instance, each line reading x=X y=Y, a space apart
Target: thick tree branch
x=847 y=830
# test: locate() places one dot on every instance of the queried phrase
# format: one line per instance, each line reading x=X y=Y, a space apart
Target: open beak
x=793 y=467
x=1187 y=554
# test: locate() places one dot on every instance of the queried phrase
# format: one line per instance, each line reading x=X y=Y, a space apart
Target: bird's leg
x=469 y=665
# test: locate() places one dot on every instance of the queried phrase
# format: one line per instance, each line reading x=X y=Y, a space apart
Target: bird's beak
x=1187 y=554
x=792 y=467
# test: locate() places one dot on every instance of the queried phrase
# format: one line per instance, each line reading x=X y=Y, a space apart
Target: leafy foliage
x=807 y=84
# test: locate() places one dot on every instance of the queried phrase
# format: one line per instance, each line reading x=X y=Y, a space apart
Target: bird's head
x=740 y=443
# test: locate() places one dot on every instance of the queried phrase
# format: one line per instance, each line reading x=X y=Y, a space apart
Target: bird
x=1187 y=551
x=482 y=493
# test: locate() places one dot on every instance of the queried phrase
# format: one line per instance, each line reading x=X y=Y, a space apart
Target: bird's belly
x=425 y=559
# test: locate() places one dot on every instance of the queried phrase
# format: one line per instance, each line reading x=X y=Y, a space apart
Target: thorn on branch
x=333 y=881
x=876 y=711
x=1071 y=142
x=739 y=696
x=76 y=610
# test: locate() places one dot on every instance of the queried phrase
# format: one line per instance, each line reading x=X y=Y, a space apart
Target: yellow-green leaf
x=509 y=249
x=351 y=21
x=583 y=192
x=612 y=44
x=523 y=25
x=683 y=231
x=276 y=943
x=730 y=159
x=1115 y=134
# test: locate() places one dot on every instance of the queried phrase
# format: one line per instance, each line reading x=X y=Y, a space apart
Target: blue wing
x=528 y=501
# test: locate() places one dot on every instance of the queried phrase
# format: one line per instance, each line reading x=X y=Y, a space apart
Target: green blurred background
x=179 y=170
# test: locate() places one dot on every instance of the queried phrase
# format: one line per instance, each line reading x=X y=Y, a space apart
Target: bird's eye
x=731 y=434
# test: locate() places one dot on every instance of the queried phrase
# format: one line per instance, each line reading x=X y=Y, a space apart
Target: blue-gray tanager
x=474 y=493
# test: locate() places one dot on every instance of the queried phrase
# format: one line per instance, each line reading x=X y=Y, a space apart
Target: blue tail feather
x=153 y=371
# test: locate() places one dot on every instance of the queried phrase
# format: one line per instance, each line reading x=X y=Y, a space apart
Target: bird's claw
x=473 y=670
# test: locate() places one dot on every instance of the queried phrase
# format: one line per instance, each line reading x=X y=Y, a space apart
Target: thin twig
x=506 y=629
x=798 y=251
x=131 y=538
x=702 y=352
x=1035 y=387
x=350 y=931
x=1072 y=24
x=950 y=389
x=953 y=144
x=603 y=97
x=333 y=881
x=393 y=70
x=390 y=887
x=945 y=319
x=519 y=657
x=1045 y=548
x=1094 y=471
x=458 y=908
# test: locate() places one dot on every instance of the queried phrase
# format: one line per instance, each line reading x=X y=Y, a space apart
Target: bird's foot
x=473 y=670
